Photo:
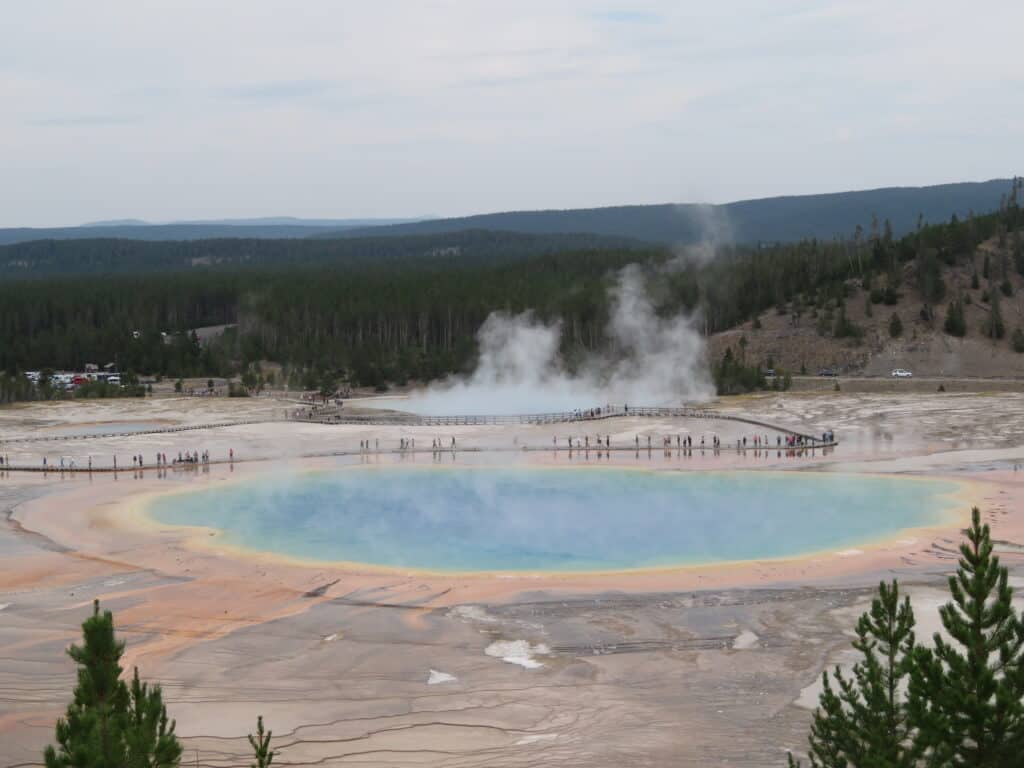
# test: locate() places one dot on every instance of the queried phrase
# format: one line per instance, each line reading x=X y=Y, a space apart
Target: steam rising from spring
x=652 y=361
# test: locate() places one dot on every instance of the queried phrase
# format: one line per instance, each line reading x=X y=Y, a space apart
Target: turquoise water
x=484 y=519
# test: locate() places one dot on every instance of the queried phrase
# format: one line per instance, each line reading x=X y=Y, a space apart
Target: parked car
x=827 y=372
x=901 y=373
x=770 y=373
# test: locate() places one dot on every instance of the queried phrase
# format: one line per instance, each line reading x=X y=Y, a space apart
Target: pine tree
x=994 y=327
x=1017 y=340
x=261 y=745
x=956 y=324
x=149 y=738
x=965 y=695
x=895 y=326
x=862 y=721
x=88 y=736
x=107 y=724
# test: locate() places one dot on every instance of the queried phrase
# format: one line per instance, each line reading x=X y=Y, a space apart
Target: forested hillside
x=50 y=258
x=372 y=321
x=773 y=219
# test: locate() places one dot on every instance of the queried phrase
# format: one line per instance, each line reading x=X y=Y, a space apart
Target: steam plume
x=652 y=361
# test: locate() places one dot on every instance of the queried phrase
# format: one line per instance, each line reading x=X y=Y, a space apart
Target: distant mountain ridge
x=259 y=221
x=271 y=228
x=771 y=219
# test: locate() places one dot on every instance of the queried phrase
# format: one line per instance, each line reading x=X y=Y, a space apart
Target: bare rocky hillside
x=807 y=342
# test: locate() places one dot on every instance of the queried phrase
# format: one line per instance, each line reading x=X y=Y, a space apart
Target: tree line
x=373 y=322
x=37 y=259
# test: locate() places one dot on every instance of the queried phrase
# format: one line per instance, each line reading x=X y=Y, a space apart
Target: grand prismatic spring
x=499 y=603
x=579 y=519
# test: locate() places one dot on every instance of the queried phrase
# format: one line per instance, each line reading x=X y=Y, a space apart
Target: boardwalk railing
x=133 y=433
x=334 y=415
x=397 y=418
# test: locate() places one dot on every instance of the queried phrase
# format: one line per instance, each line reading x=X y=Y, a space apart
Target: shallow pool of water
x=529 y=519
x=106 y=428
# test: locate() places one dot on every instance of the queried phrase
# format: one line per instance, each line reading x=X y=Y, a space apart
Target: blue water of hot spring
x=539 y=519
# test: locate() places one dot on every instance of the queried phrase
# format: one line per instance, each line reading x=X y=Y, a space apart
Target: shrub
x=993 y=327
x=895 y=326
x=732 y=376
x=845 y=328
x=956 y=324
x=1017 y=341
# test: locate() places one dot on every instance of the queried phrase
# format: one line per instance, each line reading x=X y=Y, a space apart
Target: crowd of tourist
x=184 y=459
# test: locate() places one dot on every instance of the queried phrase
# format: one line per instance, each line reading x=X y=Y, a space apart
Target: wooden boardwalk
x=397 y=418
x=332 y=416
x=133 y=433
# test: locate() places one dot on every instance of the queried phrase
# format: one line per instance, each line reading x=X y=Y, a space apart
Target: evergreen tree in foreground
x=965 y=696
x=261 y=745
x=106 y=724
x=862 y=721
x=149 y=738
x=964 y=702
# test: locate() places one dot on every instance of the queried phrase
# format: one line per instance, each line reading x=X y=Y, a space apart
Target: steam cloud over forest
x=652 y=360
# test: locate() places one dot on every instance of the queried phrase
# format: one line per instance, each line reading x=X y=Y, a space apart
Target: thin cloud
x=383 y=109
x=70 y=121
x=628 y=17
x=278 y=91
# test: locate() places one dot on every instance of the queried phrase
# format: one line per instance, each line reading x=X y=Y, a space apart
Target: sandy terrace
x=691 y=666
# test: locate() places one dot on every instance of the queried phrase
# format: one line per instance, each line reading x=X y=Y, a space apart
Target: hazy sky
x=205 y=109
